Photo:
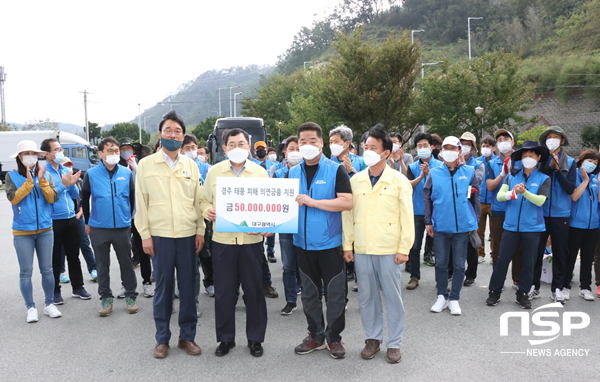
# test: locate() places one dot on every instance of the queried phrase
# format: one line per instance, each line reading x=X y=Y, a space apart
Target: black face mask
x=261 y=154
x=435 y=153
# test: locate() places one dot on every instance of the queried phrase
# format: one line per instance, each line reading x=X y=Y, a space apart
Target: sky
x=128 y=52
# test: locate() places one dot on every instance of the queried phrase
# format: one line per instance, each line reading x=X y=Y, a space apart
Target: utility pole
x=231 y=100
x=140 y=122
x=2 y=79
x=235 y=103
x=469 y=32
x=87 y=128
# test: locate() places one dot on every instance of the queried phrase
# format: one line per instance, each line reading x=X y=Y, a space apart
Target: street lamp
x=230 y=99
x=412 y=34
x=479 y=113
x=220 y=101
x=146 y=130
x=235 y=104
x=469 y=32
x=423 y=65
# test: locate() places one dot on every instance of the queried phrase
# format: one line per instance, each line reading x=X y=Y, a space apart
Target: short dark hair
x=203 y=148
x=378 y=132
x=589 y=154
x=421 y=136
x=232 y=133
x=45 y=146
x=489 y=140
x=106 y=140
x=271 y=149
x=436 y=140
x=173 y=116
x=289 y=140
x=310 y=126
x=189 y=138
x=394 y=134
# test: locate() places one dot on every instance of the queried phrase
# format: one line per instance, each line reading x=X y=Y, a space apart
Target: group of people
x=359 y=218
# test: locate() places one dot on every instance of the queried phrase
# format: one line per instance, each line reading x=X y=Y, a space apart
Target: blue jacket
x=558 y=204
x=584 y=212
x=318 y=229
x=417 y=196
x=521 y=214
x=33 y=213
x=281 y=173
x=279 y=165
x=267 y=163
x=64 y=207
x=111 y=207
x=357 y=162
x=485 y=197
x=203 y=167
x=452 y=210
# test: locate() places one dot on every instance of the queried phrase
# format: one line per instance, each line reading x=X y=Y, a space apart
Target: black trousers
x=138 y=250
x=326 y=269
x=205 y=256
x=558 y=228
x=472 y=263
x=66 y=235
x=234 y=265
x=584 y=240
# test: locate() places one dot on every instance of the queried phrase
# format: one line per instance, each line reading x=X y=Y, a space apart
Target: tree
x=6 y=127
x=40 y=124
x=495 y=82
x=95 y=131
x=205 y=128
x=532 y=134
x=127 y=129
x=590 y=137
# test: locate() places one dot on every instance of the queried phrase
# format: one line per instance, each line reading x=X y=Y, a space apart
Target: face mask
x=450 y=156
x=170 y=144
x=237 y=155
x=273 y=157
x=112 y=160
x=59 y=157
x=336 y=149
x=466 y=150
x=261 y=154
x=486 y=151
x=589 y=167
x=309 y=152
x=191 y=154
x=552 y=143
x=29 y=160
x=371 y=158
x=294 y=157
x=395 y=147
x=435 y=152
x=424 y=153
x=201 y=158
x=529 y=163
x=126 y=154
x=504 y=147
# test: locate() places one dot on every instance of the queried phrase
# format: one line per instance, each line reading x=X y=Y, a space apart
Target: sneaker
x=557 y=296
x=523 y=300
x=481 y=260
x=428 y=259
x=148 y=290
x=81 y=293
x=336 y=350
x=515 y=285
x=135 y=262
x=106 y=306
x=298 y=289
x=309 y=345
x=493 y=299
x=32 y=315
x=94 y=275
x=413 y=283
x=534 y=293
x=64 y=278
x=586 y=294
x=440 y=304
x=131 y=305
x=288 y=309
x=271 y=258
x=270 y=292
x=468 y=282
x=566 y=294
x=355 y=287
x=394 y=355
x=58 y=300
x=52 y=311
x=371 y=348
x=210 y=290
x=454 y=308
x=121 y=293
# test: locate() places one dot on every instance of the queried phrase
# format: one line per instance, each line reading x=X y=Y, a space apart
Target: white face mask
x=112 y=160
x=237 y=155
x=29 y=160
x=395 y=147
x=486 y=151
x=371 y=158
x=309 y=152
x=294 y=157
x=504 y=147
x=450 y=156
x=552 y=143
x=466 y=150
x=201 y=158
x=529 y=163
x=273 y=157
x=191 y=154
x=336 y=149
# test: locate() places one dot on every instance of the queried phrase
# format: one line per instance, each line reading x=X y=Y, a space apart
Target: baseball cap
x=260 y=143
x=452 y=141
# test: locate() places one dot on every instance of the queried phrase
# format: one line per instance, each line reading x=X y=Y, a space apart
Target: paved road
x=82 y=346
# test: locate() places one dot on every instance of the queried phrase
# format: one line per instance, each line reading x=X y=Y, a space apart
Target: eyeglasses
x=233 y=145
x=56 y=150
x=112 y=152
x=171 y=133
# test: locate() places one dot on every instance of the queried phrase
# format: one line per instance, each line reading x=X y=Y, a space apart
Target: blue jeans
x=43 y=244
x=415 y=252
x=86 y=249
x=442 y=243
x=290 y=266
x=271 y=244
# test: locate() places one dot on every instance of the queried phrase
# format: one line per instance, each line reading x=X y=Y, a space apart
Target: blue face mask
x=170 y=144
x=424 y=153
x=59 y=157
x=589 y=167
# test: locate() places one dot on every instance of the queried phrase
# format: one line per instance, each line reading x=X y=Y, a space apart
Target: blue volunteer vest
x=485 y=197
x=203 y=168
x=110 y=197
x=64 y=207
x=33 y=213
x=281 y=173
x=318 y=229
x=558 y=204
x=584 y=212
x=417 y=196
x=452 y=210
x=521 y=214
x=357 y=162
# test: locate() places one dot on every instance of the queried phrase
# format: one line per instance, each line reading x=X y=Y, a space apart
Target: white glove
x=132 y=162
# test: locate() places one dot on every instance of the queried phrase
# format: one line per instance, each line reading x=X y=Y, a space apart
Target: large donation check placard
x=257 y=205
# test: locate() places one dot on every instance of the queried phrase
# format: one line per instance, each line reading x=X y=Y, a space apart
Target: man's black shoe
x=523 y=300
x=468 y=282
x=493 y=299
x=224 y=348
x=256 y=348
x=271 y=258
x=288 y=309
